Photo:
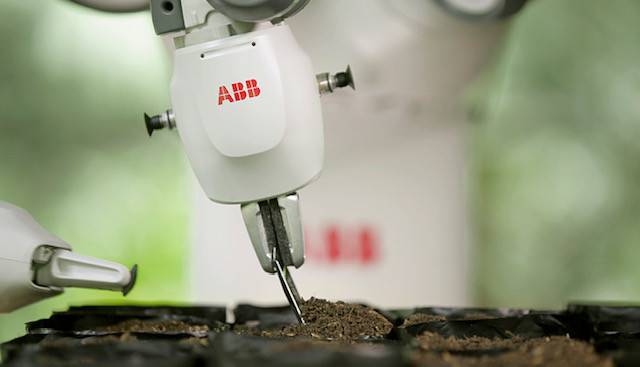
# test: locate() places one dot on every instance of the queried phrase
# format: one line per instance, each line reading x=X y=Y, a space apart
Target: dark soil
x=109 y=339
x=329 y=321
x=152 y=326
x=420 y=318
x=555 y=351
x=128 y=337
x=437 y=342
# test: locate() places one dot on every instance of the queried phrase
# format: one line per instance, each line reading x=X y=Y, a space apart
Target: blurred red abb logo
x=239 y=93
x=338 y=244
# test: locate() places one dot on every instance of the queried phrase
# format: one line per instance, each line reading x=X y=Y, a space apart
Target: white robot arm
x=35 y=264
x=246 y=104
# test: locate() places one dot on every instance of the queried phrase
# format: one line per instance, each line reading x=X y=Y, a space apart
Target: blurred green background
x=74 y=151
x=555 y=158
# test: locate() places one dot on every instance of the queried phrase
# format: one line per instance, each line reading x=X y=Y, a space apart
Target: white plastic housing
x=68 y=269
x=290 y=211
x=20 y=235
x=263 y=138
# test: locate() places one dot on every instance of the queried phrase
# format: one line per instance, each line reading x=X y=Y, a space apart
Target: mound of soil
x=329 y=320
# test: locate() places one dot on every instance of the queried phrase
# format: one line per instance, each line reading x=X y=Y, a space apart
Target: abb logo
x=341 y=244
x=239 y=92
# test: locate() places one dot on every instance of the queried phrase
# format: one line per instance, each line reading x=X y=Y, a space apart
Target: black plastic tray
x=614 y=330
x=264 y=317
x=526 y=326
x=148 y=354
x=230 y=349
x=608 y=318
x=398 y=316
x=84 y=320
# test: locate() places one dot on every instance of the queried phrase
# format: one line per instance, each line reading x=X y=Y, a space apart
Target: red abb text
x=239 y=91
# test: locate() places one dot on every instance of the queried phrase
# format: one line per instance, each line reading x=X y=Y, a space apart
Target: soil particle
x=109 y=339
x=114 y=339
x=92 y=340
x=329 y=320
x=555 y=351
x=420 y=318
x=433 y=341
x=57 y=343
x=152 y=326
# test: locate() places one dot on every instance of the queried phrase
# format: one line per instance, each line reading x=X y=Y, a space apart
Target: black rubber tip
x=345 y=78
x=153 y=123
x=134 y=276
x=147 y=121
x=342 y=80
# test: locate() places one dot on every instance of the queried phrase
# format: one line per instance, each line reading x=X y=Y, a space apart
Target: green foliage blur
x=74 y=152
x=557 y=158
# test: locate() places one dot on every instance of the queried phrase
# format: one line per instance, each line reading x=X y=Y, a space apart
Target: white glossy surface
x=255 y=148
x=20 y=235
